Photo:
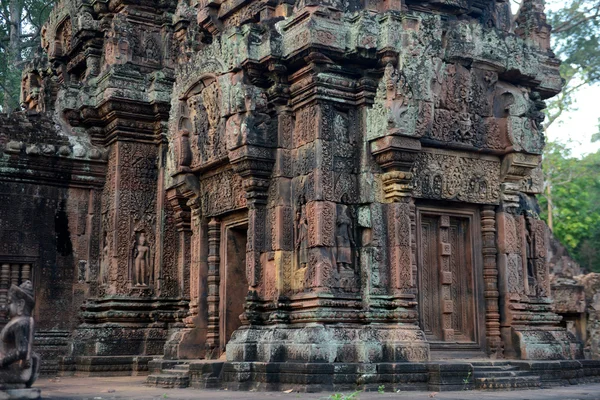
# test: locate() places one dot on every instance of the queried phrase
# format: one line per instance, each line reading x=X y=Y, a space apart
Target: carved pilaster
x=195 y=257
x=396 y=153
x=519 y=173
x=401 y=245
x=396 y=185
x=254 y=164
x=490 y=278
x=183 y=225
x=214 y=238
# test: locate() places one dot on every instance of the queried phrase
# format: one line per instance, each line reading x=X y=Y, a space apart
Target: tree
x=576 y=41
x=20 y=27
x=574 y=203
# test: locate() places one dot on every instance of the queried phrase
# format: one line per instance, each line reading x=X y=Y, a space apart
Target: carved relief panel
x=200 y=125
x=129 y=217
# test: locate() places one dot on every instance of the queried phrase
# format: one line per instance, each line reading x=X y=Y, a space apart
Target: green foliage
x=576 y=41
x=466 y=381
x=574 y=195
x=20 y=26
x=381 y=389
x=340 y=396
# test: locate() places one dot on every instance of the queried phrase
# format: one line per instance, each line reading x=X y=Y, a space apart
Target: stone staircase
x=502 y=376
x=165 y=374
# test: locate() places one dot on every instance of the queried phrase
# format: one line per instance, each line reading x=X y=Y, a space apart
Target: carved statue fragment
x=19 y=364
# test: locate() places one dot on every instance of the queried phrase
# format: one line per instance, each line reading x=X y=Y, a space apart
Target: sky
x=576 y=127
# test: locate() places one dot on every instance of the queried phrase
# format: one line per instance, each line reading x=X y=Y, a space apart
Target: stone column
x=214 y=241
x=490 y=282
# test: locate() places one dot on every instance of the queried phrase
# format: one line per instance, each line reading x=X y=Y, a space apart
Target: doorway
x=234 y=284
x=449 y=266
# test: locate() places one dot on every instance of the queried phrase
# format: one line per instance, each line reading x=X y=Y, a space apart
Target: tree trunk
x=549 y=197
x=15 y=8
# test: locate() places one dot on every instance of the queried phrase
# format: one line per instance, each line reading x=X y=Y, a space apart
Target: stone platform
x=133 y=388
x=427 y=376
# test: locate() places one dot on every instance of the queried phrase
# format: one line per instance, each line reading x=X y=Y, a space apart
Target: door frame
x=472 y=213
x=232 y=221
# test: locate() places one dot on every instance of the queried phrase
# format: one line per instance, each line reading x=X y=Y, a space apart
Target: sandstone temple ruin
x=275 y=192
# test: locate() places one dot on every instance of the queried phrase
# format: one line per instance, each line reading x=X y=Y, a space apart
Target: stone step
x=498 y=374
x=168 y=381
x=178 y=372
x=485 y=363
x=157 y=365
x=507 y=383
x=495 y=367
x=182 y=367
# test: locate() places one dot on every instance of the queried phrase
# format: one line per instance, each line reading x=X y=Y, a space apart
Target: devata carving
x=302 y=233
x=142 y=270
x=104 y=260
x=344 y=239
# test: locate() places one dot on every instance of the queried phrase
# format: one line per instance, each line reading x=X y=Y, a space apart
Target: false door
x=448 y=282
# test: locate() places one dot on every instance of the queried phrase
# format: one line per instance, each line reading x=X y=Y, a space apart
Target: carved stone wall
x=49 y=222
x=334 y=154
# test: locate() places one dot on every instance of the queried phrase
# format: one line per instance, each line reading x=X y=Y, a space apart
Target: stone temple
x=261 y=193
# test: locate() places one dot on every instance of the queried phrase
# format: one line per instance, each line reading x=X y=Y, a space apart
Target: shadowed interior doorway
x=234 y=284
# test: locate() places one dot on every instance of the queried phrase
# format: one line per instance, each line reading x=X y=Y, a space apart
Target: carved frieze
x=456 y=177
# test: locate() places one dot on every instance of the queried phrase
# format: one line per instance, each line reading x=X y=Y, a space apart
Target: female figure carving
x=141 y=260
x=302 y=233
x=104 y=261
x=344 y=237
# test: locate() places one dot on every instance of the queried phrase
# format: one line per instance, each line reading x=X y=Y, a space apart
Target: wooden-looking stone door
x=449 y=261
